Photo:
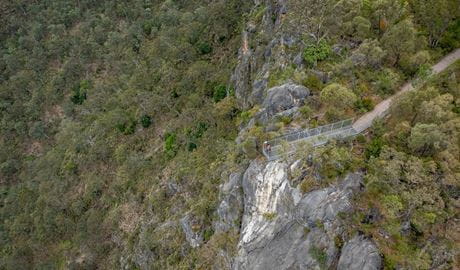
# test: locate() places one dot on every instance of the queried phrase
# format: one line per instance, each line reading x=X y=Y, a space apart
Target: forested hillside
x=106 y=107
x=411 y=202
x=124 y=123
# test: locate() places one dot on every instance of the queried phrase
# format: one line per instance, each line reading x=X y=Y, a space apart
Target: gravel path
x=381 y=109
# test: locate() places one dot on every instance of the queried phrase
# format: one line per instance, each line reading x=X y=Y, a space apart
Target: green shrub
x=450 y=40
x=269 y=216
x=146 y=121
x=306 y=111
x=337 y=96
x=259 y=13
x=79 y=93
x=249 y=147
x=9 y=167
x=319 y=255
x=456 y=109
x=191 y=146
x=424 y=71
x=204 y=48
x=70 y=166
x=307 y=185
x=37 y=130
x=374 y=148
x=392 y=204
x=219 y=93
x=193 y=134
x=411 y=64
x=333 y=114
x=387 y=82
x=364 y=104
x=285 y=119
x=338 y=241
x=78 y=97
x=313 y=82
x=130 y=127
x=245 y=116
x=361 y=138
x=314 y=123
x=316 y=52
x=127 y=127
x=426 y=139
x=208 y=234
x=170 y=144
x=319 y=224
x=201 y=128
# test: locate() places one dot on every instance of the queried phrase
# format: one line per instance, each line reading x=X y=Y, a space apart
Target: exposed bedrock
x=283 y=229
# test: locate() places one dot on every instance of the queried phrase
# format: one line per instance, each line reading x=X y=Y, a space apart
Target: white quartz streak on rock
x=270 y=185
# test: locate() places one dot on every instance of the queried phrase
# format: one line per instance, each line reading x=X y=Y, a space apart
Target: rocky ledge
x=283 y=229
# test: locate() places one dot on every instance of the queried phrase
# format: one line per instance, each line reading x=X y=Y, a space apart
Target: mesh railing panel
x=311 y=132
x=316 y=137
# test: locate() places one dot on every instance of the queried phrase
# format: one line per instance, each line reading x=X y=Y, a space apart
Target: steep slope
x=116 y=121
x=299 y=213
x=131 y=132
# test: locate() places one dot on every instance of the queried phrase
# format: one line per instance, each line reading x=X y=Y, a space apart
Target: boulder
x=284 y=97
x=359 y=253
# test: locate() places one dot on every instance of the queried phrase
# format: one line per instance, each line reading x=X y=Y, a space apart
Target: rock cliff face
x=279 y=227
x=264 y=48
x=231 y=204
x=283 y=229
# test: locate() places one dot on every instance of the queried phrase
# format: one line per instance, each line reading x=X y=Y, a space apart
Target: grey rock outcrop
x=267 y=194
x=359 y=253
x=283 y=100
x=241 y=76
x=194 y=237
x=283 y=229
x=291 y=248
x=263 y=50
x=258 y=90
x=284 y=97
x=325 y=204
x=230 y=208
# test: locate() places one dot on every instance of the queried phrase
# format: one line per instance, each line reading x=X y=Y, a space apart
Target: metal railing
x=289 y=143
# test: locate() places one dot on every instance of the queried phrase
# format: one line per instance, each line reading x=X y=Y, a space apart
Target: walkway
x=381 y=109
x=292 y=142
x=289 y=143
